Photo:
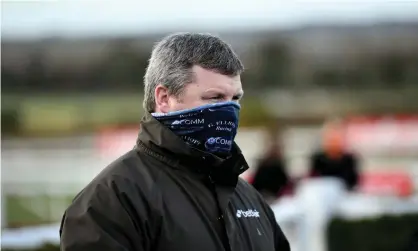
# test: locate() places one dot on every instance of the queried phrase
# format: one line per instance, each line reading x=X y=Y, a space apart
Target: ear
x=161 y=99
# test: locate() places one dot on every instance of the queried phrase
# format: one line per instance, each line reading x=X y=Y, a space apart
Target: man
x=178 y=189
x=271 y=179
x=333 y=160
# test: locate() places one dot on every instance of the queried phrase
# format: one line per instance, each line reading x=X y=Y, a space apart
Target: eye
x=216 y=97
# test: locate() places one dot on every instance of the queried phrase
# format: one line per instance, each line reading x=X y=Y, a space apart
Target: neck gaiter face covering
x=209 y=128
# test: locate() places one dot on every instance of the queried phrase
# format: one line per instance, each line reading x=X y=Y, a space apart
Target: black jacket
x=164 y=195
x=270 y=177
x=344 y=168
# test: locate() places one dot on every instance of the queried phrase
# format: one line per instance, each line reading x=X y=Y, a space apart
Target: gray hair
x=173 y=57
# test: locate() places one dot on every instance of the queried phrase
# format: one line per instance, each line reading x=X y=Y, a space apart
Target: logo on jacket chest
x=248 y=214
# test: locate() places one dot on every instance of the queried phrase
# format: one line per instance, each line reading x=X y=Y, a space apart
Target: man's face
x=207 y=87
x=333 y=141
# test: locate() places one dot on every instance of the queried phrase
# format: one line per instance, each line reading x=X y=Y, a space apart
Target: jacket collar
x=161 y=142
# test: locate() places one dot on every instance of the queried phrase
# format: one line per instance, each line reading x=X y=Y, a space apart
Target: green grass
x=45 y=115
x=32 y=210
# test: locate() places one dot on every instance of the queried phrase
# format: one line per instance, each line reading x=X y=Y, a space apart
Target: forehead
x=207 y=79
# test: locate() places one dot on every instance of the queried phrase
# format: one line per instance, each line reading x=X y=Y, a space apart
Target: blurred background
x=329 y=122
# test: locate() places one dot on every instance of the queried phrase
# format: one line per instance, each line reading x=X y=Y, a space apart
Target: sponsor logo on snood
x=188 y=122
x=218 y=143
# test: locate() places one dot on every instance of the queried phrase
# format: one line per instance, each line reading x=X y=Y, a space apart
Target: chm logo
x=211 y=141
x=213 y=144
x=248 y=214
x=188 y=122
x=219 y=140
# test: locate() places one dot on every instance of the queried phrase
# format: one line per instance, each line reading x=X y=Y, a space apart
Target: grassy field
x=43 y=115
x=33 y=210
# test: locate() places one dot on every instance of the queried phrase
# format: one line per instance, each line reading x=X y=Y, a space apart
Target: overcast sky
x=91 y=17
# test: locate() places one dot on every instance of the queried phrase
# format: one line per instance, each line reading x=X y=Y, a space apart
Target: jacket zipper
x=225 y=240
